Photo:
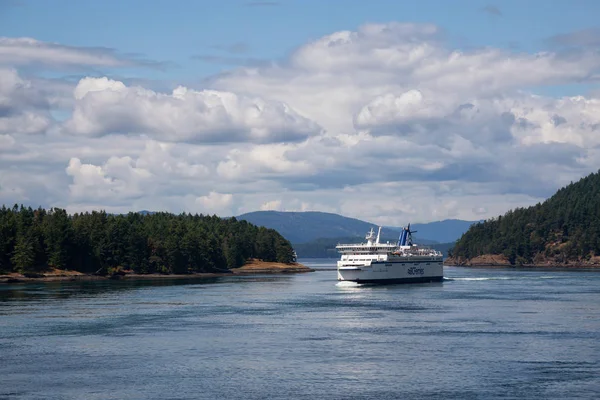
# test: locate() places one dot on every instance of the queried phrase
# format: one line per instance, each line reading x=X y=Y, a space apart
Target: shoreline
x=499 y=260
x=253 y=267
x=527 y=266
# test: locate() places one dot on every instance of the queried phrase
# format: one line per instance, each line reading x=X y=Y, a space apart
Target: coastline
x=500 y=261
x=252 y=267
x=528 y=266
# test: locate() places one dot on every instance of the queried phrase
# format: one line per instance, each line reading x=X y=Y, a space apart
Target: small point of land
x=252 y=267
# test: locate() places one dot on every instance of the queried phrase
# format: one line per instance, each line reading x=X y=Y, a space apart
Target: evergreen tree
x=24 y=255
x=564 y=228
x=165 y=243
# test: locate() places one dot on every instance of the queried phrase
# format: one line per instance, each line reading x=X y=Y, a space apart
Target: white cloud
x=268 y=160
x=274 y=205
x=118 y=179
x=214 y=203
x=412 y=131
x=104 y=106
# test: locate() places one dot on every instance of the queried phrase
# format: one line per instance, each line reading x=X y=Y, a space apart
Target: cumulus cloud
x=215 y=202
x=264 y=161
x=155 y=169
x=118 y=179
x=524 y=118
x=385 y=123
x=104 y=106
x=399 y=106
x=338 y=74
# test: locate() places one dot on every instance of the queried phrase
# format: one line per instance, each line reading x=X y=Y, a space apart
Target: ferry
x=401 y=262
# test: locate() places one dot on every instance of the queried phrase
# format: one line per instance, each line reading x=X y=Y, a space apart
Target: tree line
x=566 y=227
x=32 y=240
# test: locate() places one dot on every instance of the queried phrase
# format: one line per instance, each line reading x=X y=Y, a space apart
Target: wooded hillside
x=563 y=229
x=33 y=240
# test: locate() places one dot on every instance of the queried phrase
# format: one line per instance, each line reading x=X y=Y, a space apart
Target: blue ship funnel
x=403 y=237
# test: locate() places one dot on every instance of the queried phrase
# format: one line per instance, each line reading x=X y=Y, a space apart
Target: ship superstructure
x=401 y=262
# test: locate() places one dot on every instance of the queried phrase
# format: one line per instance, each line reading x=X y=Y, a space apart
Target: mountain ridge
x=307 y=226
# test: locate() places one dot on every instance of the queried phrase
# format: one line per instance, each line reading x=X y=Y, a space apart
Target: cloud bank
x=385 y=123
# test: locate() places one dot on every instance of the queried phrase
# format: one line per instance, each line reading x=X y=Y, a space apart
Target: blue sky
x=388 y=111
x=175 y=31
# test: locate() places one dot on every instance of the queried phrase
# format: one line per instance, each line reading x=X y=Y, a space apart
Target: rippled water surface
x=480 y=334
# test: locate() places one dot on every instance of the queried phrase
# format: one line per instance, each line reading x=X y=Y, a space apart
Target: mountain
x=315 y=234
x=446 y=231
x=565 y=229
x=303 y=227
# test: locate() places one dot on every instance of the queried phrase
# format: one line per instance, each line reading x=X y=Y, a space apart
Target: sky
x=387 y=111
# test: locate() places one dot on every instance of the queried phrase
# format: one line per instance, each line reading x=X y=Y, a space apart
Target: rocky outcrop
x=484 y=260
x=250 y=268
x=498 y=260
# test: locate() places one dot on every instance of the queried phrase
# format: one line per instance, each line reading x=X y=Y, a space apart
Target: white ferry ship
x=402 y=262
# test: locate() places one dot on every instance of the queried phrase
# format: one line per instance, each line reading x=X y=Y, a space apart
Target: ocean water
x=480 y=334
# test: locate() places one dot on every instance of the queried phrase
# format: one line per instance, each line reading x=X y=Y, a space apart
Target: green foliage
x=23 y=255
x=565 y=227
x=32 y=240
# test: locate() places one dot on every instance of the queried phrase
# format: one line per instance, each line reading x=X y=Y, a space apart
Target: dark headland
x=563 y=231
x=51 y=245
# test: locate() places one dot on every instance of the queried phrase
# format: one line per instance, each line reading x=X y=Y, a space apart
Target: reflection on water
x=482 y=333
x=35 y=291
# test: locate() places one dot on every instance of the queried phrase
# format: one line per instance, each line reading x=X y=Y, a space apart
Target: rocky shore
x=498 y=260
x=252 y=267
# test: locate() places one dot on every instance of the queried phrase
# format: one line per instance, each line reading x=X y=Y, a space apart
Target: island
x=563 y=231
x=49 y=245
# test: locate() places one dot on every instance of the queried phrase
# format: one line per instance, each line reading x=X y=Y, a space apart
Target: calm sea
x=480 y=334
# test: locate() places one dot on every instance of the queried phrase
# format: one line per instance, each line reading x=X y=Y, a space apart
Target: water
x=481 y=334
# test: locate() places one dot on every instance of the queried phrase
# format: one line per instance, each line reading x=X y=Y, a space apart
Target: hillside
x=563 y=230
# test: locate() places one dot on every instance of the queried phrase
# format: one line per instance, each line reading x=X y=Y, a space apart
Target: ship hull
x=396 y=272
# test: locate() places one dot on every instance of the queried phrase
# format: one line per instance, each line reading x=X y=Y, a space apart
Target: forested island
x=35 y=241
x=562 y=231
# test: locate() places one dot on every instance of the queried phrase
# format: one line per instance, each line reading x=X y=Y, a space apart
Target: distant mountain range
x=448 y=230
x=303 y=227
x=315 y=234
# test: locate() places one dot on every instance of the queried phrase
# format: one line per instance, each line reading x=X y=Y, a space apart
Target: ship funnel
x=403 y=237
